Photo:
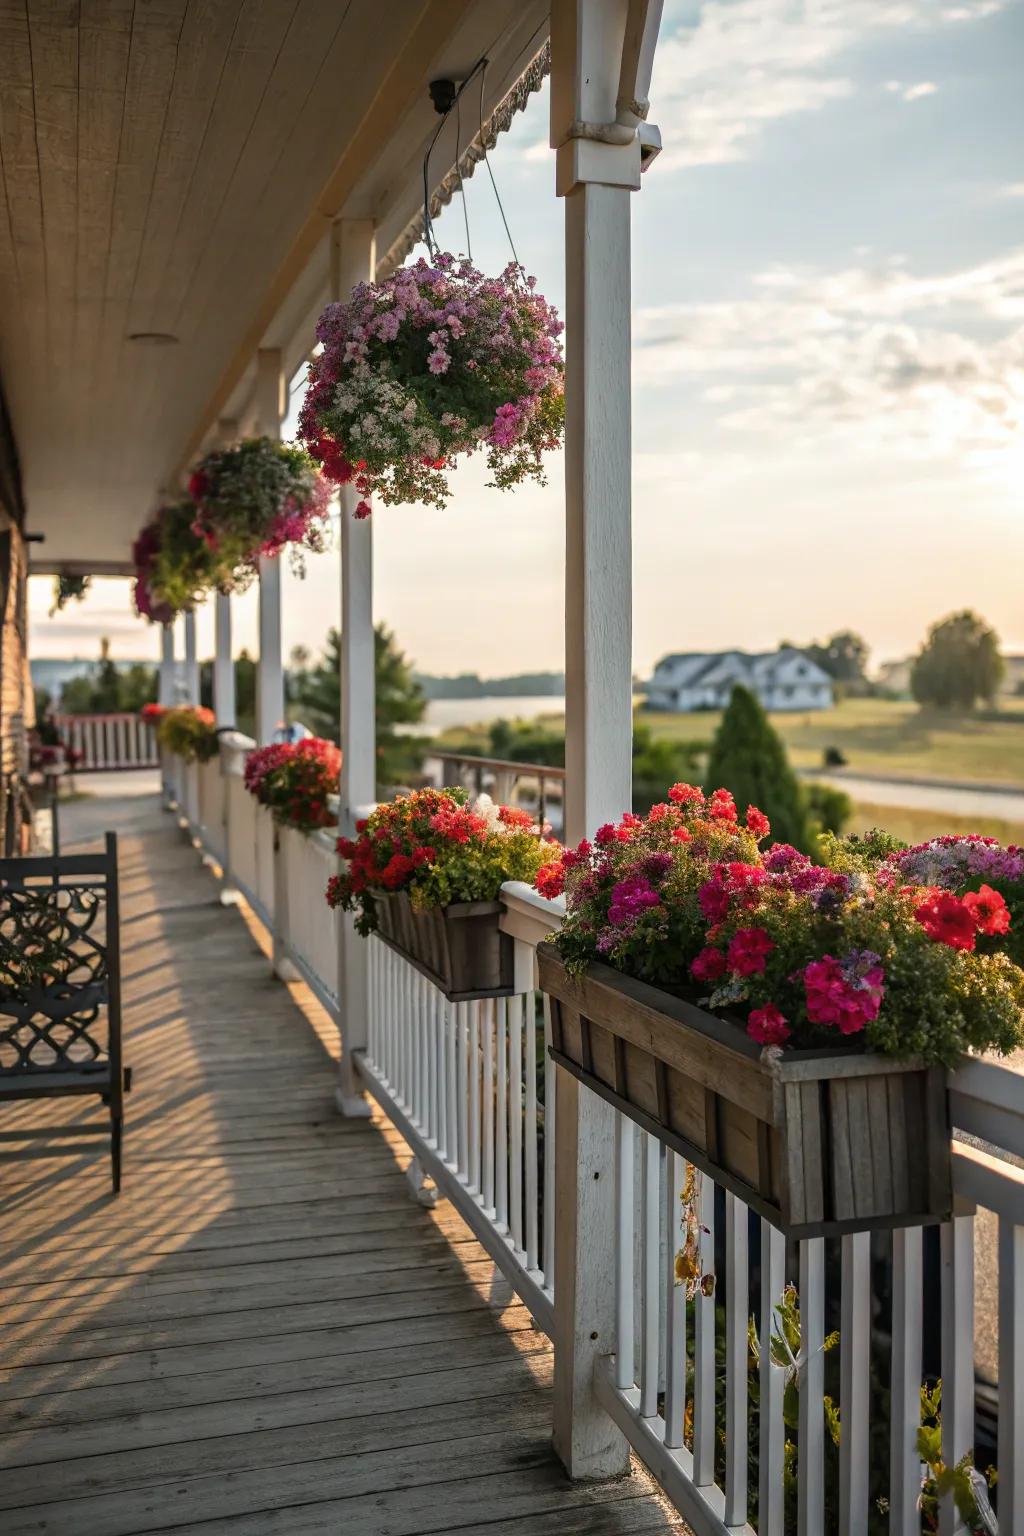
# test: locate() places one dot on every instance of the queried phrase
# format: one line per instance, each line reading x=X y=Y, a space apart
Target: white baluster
x=957 y=1242
x=737 y=1311
x=515 y=1113
x=854 y=1384
x=675 y=1323
x=1011 y=1376
x=532 y=1232
x=452 y=1079
x=625 y=1138
x=549 y=1152
x=771 y=1385
x=463 y=1044
x=474 y=1095
x=487 y=1022
x=704 y=1347
x=501 y=1169
x=811 y=1458
x=649 y=1277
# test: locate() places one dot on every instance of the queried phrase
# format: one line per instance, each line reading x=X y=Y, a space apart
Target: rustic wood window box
x=817 y=1141
x=460 y=948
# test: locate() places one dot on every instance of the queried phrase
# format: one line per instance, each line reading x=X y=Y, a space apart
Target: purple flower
x=630 y=899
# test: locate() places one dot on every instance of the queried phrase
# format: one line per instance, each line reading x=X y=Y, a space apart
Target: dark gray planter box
x=460 y=948
x=819 y=1142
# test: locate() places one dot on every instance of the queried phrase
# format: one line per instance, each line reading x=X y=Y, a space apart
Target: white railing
x=107 y=742
x=307 y=927
x=471 y=1088
x=211 y=791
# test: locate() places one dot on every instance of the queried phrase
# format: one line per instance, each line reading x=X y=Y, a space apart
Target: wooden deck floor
x=264 y=1333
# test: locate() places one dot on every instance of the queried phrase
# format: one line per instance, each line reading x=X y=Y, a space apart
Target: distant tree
x=315 y=693
x=958 y=664
x=109 y=689
x=749 y=759
x=245 y=691
x=844 y=656
x=828 y=808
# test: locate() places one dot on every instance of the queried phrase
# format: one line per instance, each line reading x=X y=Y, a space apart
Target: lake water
x=442 y=714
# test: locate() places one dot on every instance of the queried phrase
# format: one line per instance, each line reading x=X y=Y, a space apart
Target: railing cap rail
x=503 y=764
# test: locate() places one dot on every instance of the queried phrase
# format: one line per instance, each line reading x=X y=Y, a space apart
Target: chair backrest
x=60 y=965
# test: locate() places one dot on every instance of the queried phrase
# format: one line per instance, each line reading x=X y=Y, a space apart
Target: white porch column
x=165 y=685
x=191 y=660
x=353 y=260
x=223 y=661
x=593 y=130
x=271 y=408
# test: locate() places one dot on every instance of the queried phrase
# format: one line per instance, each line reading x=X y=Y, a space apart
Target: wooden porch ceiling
x=172 y=167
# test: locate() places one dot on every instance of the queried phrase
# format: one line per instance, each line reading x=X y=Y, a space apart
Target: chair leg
x=116 y=1126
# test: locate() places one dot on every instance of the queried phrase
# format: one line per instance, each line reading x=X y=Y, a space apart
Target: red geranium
x=948 y=920
x=988 y=909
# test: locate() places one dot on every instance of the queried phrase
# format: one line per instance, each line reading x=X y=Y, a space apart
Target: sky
x=828 y=358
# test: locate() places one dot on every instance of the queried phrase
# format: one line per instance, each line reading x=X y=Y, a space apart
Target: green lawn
x=881 y=736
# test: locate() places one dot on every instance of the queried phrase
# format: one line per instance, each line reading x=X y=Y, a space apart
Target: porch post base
x=284 y=970
x=424 y=1192
x=352 y=1105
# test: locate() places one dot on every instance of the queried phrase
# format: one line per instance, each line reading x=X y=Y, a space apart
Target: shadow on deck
x=264 y=1333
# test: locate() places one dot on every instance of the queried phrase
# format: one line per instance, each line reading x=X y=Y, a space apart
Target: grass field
x=918 y=826
x=882 y=737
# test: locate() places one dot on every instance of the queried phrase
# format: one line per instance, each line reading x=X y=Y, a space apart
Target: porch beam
x=353 y=260
x=271 y=408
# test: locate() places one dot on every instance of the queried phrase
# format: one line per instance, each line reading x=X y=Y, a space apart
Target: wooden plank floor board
x=265 y=1333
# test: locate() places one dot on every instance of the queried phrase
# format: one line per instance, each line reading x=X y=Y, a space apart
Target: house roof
x=715 y=669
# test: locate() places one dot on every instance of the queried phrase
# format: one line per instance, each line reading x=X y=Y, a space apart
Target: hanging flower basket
x=434 y=363
x=173 y=568
x=255 y=500
x=68 y=589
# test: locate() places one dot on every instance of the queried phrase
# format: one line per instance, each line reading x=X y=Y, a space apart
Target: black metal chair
x=60 y=983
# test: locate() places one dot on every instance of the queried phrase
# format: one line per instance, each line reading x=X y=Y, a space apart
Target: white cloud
x=747 y=63
x=883 y=355
x=911 y=92
x=1012 y=189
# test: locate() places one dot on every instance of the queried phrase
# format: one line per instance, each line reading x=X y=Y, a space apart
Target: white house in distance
x=783 y=679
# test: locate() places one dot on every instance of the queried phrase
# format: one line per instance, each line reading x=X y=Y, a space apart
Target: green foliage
x=183 y=566
x=109 y=689
x=844 y=656
x=657 y=762
x=315 y=692
x=749 y=759
x=68 y=589
x=245 y=691
x=828 y=808
x=959 y=664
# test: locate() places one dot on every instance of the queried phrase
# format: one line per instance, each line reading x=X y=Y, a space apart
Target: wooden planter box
x=819 y=1142
x=460 y=948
